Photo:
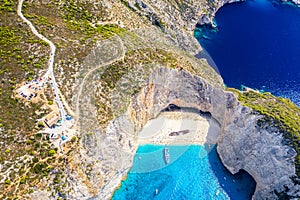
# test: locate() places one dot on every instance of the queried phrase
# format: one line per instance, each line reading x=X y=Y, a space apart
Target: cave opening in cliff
x=235 y=185
x=181 y=125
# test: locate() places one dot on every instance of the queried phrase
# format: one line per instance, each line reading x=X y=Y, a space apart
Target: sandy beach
x=186 y=128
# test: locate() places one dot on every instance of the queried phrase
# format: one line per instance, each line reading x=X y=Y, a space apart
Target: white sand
x=157 y=131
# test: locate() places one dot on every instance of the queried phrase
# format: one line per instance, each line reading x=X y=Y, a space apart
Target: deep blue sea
x=194 y=173
x=257 y=44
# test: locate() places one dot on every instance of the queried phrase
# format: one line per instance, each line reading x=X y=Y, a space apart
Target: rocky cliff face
x=260 y=152
x=166 y=86
x=178 y=19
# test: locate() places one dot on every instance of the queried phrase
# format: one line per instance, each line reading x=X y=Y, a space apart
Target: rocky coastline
x=208 y=18
x=261 y=151
x=296 y=2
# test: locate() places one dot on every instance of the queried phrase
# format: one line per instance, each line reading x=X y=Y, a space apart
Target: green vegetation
x=18 y=119
x=51 y=152
x=279 y=112
x=76 y=11
x=113 y=73
x=145 y=57
x=23 y=179
x=39 y=168
x=74 y=138
x=104 y=31
x=7 y=6
x=11 y=54
x=7 y=182
x=41 y=124
x=79 y=17
x=8 y=37
x=38 y=20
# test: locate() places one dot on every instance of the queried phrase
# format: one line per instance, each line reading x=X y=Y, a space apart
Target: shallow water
x=257 y=44
x=194 y=173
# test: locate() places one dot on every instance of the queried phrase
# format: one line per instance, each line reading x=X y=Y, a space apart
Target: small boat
x=205 y=37
x=156 y=191
x=166 y=154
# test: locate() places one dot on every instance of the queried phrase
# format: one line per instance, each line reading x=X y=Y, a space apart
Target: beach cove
x=180 y=128
x=194 y=170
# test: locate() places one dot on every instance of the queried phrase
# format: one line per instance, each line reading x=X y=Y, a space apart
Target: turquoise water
x=195 y=172
x=257 y=44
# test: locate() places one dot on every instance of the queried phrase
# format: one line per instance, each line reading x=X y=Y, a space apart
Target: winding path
x=60 y=101
x=77 y=112
x=35 y=32
x=49 y=73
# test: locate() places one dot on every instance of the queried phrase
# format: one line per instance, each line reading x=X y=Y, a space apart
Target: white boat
x=166 y=153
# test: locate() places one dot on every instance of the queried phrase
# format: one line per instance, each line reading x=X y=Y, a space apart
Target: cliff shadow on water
x=240 y=186
x=205 y=55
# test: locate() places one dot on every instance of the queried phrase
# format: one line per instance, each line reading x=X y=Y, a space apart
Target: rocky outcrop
x=178 y=19
x=166 y=86
x=260 y=152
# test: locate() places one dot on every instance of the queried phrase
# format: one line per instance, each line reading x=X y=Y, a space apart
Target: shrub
x=49 y=168
x=23 y=179
x=7 y=182
x=51 y=152
x=73 y=139
x=39 y=135
x=35 y=160
x=41 y=124
x=38 y=168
